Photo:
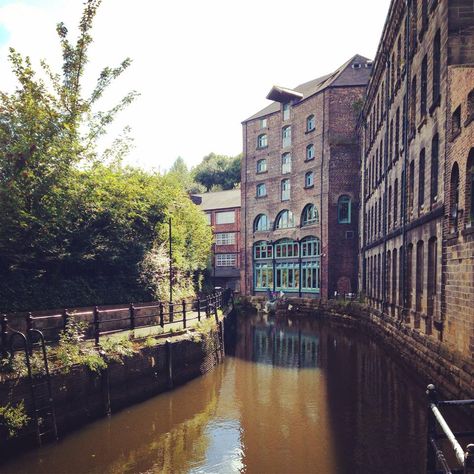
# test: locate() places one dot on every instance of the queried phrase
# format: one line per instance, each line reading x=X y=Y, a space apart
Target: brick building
x=300 y=187
x=222 y=209
x=416 y=239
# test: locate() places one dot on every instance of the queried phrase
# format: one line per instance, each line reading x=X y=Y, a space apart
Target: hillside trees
x=218 y=172
x=75 y=229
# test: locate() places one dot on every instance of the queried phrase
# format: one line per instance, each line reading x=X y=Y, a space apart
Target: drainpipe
x=403 y=270
x=321 y=203
x=243 y=193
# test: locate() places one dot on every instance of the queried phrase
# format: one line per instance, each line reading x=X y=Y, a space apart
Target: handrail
x=465 y=458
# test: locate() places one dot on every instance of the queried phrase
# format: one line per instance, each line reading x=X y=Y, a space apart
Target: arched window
x=286 y=248
x=260 y=223
x=309 y=179
x=310 y=247
x=285 y=219
x=454 y=199
x=309 y=215
x=286 y=136
x=469 y=205
x=344 y=210
x=262 y=141
x=262 y=250
x=310 y=152
x=310 y=123
x=286 y=163
x=285 y=189
x=261 y=166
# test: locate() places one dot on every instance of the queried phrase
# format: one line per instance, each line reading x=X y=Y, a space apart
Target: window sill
x=455 y=135
x=261 y=197
x=261 y=172
x=261 y=147
x=435 y=104
x=422 y=123
x=309 y=159
x=309 y=131
x=469 y=120
x=309 y=187
x=468 y=230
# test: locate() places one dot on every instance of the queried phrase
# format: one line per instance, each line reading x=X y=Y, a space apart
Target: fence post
x=29 y=325
x=4 y=336
x=199 y=309
x=430 y=452
x=96 y=325
x=65 y=318
x=469 y=459
x=131 y=311
x=162 y=319
x=215 y=312
x=208 y=309
x=184 y=314
x=171 y=312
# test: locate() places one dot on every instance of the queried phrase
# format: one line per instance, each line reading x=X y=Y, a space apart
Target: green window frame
x=262 y=250
x=263 y=276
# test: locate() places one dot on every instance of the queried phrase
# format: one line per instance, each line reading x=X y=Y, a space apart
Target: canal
x=293 y=396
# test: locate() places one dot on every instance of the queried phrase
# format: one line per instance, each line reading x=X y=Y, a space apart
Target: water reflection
x=296 y=396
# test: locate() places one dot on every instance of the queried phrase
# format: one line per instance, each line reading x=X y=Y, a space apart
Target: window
x=285 y=189
x=263 y=276
x=470 y=107
x=424 y=86
x=226 y=217
x=286 y=111
x=309 y=215
x=287 y=276
x=434 y=168
x=286 y=163
x=310 y=247
x=261 y=190
x=470 y=190
x=208 y=217
x=286 y=136
x=395 y=203
x=424 y=16
x=310 y=276
x=225 y=238
x=262 y=141
x=413 y=108
x=310 y=152
x=285 y=220
x=261 y=166
x=413 y=25
x=420 y=263
x=344 y=210
x=310 y=123
x=263 y=123
x=454 y=199
x=260 y=223
x=286 y=248
x=411 y=186
x=432 y=275
x=226 y=259
x=389 y=206
x=397 y=133
x=262 y=250
x=436 y=67
x=456 y=123
x=309 y=179
x=421 y=180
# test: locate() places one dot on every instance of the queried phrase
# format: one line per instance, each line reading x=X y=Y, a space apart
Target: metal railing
x=435 y=456
x=107 y=321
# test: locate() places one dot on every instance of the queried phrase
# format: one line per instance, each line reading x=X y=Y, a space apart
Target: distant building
x=300 y=187
x=222 y=209
x=417 y=126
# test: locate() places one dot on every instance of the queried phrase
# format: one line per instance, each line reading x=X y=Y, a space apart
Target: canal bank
x=82 y=395
x=433 y=360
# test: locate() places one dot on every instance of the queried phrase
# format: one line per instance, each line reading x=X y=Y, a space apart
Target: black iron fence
x=106 y=320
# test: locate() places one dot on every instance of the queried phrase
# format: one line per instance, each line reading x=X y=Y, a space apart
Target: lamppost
x=171 y=261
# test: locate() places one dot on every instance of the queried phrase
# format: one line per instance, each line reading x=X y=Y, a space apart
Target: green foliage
x=13 y=418
x=116 y=349
x=218 y=172
x=180 y=172
x=74 y=230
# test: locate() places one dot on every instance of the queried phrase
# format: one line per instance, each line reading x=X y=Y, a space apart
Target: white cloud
x=201 y=66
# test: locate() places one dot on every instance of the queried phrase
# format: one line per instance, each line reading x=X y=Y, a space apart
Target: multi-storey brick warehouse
x=416 y=134
x=300 y=187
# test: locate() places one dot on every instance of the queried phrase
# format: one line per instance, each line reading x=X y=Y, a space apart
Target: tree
x=180 y=171
x=218 y=171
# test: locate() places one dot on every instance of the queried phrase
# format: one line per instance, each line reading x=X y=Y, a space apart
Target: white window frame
x=225 y=217
x=286 y=163
x=263 y=123
x=286 y=136
x=226 y=260
x=225 y=238
x=286 y=111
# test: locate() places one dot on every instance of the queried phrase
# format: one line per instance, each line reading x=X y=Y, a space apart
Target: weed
x=13 y=418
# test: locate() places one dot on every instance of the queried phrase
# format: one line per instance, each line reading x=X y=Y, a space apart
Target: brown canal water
x=293 y=396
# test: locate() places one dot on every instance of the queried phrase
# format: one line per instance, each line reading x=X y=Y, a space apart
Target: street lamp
x=171 y=262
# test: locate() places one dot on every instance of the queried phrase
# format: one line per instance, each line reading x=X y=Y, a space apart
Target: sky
x=201 y=66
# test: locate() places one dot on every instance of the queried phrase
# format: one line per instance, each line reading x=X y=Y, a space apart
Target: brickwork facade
x=407 y=259
x=300 y=187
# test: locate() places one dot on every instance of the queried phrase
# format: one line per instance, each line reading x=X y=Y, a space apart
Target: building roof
x=220 y=199
x=345 y=75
